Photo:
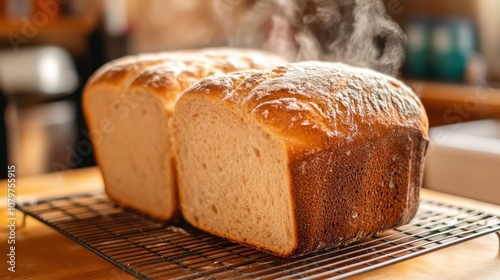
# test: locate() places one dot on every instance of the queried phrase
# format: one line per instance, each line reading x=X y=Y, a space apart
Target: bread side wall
x=352 y=191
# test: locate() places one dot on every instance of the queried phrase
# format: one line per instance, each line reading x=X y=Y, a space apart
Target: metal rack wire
x=151 y=249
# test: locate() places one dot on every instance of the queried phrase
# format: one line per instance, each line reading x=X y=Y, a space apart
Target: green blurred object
x=453 y=42
x=417 y=63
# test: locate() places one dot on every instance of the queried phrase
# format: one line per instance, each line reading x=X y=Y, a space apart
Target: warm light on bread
x=128 y=105
x=305 y=157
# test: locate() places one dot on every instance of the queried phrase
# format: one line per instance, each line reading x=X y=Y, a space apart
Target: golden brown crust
x=314 y=104
x=175 y=75
x=212 y=60
x=356 y=141
x=347 y=193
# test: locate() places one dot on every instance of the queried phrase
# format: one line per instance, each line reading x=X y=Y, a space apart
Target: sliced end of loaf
x=244 y=197
x=120 y=127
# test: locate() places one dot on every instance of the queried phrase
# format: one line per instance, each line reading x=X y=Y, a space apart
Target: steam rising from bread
x=357 y=32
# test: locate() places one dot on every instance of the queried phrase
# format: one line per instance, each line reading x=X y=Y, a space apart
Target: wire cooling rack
x=150 y=249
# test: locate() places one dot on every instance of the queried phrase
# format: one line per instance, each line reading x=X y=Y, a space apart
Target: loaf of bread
x=128 y=105
x=301 y=158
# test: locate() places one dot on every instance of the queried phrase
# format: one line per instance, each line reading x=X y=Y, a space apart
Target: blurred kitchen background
x=49 y=48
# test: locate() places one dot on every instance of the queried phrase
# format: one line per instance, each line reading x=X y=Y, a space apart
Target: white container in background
x=40 y=120
x=47 y=70
x=464 y=159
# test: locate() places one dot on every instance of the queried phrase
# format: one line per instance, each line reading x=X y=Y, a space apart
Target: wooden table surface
x=43 y=253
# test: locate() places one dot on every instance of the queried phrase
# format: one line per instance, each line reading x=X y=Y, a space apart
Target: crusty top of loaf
x=314 y=105
x=195 y=63
x=168 y=74
x=177 y=75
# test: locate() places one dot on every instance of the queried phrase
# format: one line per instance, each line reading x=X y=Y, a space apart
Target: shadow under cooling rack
x=151 y=249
